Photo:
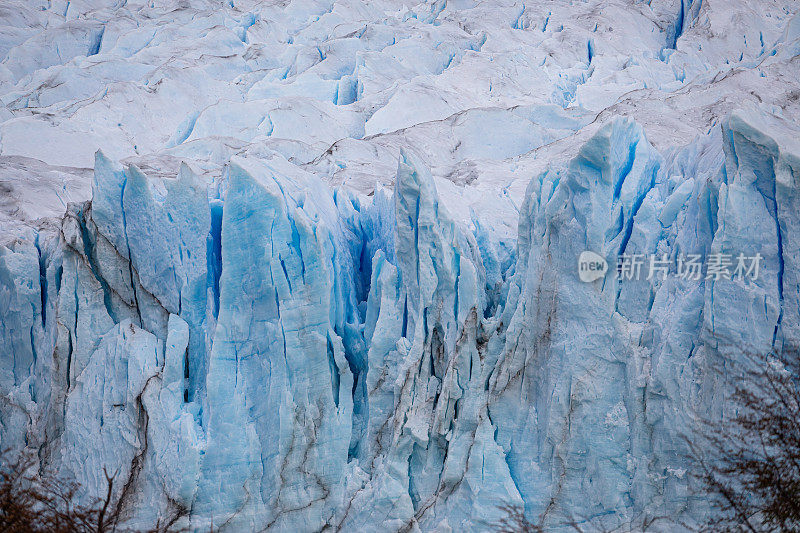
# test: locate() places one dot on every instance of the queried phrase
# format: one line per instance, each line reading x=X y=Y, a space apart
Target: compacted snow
x=300 y=265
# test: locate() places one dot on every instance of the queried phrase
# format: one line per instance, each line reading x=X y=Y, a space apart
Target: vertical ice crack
x=89 y=253
x=637 y=204
x=214 y=252
x=42 y=280
x=678 y=26
x=457 y=268
x=773 y=208
x=334 y=370
x=128 y=247
x=97 y=42
x=517 y=24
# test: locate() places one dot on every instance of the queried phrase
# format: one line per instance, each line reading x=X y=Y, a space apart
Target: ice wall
x=260 y=352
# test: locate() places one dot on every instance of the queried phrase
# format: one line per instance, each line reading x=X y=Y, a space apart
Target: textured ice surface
x=322 y=271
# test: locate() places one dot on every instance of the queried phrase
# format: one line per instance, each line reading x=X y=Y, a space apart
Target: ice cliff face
x=332 y=283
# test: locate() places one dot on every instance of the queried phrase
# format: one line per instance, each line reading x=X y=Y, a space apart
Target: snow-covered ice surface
x=304 y=265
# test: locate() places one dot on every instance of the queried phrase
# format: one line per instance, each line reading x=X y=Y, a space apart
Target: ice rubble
x=327 y=273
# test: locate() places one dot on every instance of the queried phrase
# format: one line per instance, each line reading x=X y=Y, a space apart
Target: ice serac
x=429 y=453
x=28 y=376
x=615 y=371
x=260 y=352
x=279 y=403
x=134 y=263
x=758 y=205
x=105 y=402
x=566 y=355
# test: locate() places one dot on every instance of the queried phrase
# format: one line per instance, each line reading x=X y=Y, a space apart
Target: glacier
x=313 y=266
